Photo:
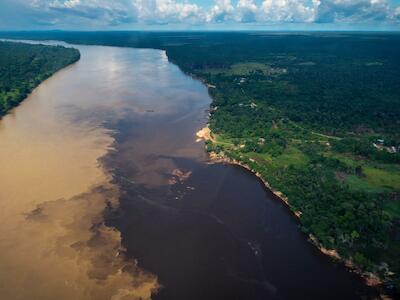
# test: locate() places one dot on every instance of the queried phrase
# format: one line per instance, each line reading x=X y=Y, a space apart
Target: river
x=105 y=194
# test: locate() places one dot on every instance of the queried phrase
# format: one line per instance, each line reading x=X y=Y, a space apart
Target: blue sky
x=200 y=14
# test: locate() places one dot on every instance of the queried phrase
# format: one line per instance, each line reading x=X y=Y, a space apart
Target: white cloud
x=92 y=12
x=288 y=10
x=168 y=11
x=222 y=10
x=117 y=12
x=397 y=13
x=353 y=11
x=246 y=11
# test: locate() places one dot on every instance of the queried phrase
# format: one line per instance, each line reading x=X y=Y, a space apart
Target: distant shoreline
x=20 y=96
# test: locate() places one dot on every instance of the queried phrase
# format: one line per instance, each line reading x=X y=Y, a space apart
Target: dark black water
x=228 y=238
x=216 y=234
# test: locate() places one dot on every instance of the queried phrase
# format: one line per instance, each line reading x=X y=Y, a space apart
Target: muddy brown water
x=105 y=194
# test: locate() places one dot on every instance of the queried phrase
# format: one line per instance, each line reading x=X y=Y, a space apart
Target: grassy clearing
x=260 y=158
x=245 y=69
x=291 y=156
x=378 y=177
x=382 y=178
x=223 y=141
x=359 y=184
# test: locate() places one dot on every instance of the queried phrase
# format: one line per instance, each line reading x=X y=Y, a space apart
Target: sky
x=200 y=14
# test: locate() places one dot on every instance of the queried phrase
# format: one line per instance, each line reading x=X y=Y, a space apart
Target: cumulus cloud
x=353 y=11
x=289 y=10
x=223 y=10
x=167 y=11
x=246 y=11
x=120 y=12
x=86 y=12
x=112 y=12
x=397 y=13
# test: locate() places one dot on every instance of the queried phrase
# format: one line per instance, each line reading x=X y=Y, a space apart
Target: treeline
x=25 y=66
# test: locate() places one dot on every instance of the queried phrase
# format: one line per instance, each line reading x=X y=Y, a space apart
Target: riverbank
x=371 y=279
x=20 y=76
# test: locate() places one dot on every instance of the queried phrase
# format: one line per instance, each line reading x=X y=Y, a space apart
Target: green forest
x=316 y=114
x=320 y=122
x=25 y=66
x=321 y=125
